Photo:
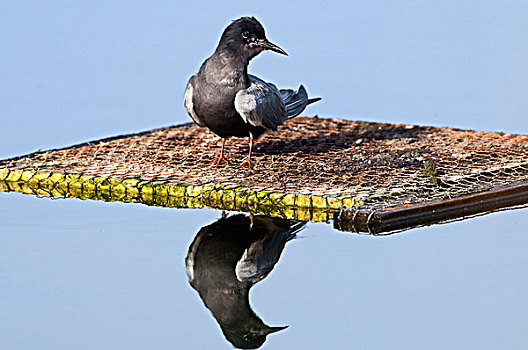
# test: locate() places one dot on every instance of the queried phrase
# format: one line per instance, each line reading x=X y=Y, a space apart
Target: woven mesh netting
x=328 y=163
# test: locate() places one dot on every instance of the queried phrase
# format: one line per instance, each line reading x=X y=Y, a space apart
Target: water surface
x=88 y=274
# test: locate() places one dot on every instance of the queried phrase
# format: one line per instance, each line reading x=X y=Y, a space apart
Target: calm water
x=86 y=274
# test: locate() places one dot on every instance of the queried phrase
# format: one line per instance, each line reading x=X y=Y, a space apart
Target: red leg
x=221 y=158
x=247 y=162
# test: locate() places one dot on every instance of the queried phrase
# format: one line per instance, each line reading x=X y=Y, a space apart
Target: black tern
x=223 y=97
x=226 y=259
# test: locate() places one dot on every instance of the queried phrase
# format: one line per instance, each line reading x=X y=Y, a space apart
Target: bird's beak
x=267 y=45
x=270 y=330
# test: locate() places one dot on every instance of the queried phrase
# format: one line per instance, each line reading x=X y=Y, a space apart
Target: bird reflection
x=226 y=259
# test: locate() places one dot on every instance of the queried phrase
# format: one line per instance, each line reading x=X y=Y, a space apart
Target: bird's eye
x=245 y=35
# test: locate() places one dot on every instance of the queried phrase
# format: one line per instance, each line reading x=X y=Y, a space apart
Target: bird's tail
x=296 y=102
x=295 y=228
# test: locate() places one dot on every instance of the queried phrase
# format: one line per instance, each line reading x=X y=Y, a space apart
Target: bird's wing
x=188 y=102
x=261 y=256
x=261 y=104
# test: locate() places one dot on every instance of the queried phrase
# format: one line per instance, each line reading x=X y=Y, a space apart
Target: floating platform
x=369 y=177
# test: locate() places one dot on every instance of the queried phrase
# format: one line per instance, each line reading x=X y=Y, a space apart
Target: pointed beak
x=270 y=330
x=267 y=45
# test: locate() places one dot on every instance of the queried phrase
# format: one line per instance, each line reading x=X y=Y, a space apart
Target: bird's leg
x=247 y=162
x=251 y=221
x=221 y=158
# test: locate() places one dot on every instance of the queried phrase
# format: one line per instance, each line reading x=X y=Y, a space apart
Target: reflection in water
x=226 y=259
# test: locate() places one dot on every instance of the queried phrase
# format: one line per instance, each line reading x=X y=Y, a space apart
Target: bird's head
x=251 y=338
x=247 y=37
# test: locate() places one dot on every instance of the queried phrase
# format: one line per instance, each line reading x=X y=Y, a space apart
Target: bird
x=229 y=256
x=227 y=100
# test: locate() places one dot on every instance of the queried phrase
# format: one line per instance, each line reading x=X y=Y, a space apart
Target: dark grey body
x=223 y=97
x=215 y=86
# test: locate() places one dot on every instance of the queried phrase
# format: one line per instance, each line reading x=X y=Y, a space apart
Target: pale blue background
x=72 y=71
x=84 y=275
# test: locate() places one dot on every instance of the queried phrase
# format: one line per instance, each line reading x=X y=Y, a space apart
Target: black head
x=251 y=338
x=247 y=37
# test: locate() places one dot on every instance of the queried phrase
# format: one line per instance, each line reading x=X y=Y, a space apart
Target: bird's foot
x=245 y=164
x=220 y=159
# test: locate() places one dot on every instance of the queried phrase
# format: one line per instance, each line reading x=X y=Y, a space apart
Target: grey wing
x=188 y=102
x=261 y=104
x=261 y=256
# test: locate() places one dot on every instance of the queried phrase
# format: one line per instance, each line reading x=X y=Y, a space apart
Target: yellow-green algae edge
x=175 y=195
